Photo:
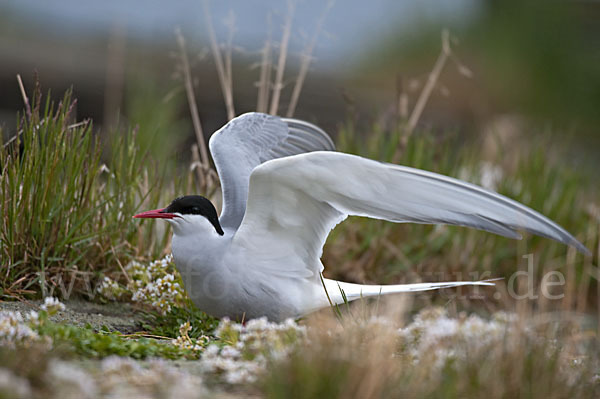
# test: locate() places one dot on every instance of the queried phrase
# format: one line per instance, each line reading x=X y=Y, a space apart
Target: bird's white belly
x=230 y=287
x=240 y=296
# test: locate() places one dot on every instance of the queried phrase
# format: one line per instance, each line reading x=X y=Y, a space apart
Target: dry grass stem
x=306 y=60
x=225 y=78
x=401 y=99
x=189 y=90
x=120 y=265
x=570 y=294
x=584 y=283
x=27 y=110
x=432 y=80
x=283 y=49
x=264 y=83
x=197 y=166
x=24 y=95
x=228 y=61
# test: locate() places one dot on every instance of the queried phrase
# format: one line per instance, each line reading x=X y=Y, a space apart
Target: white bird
x=284 y=189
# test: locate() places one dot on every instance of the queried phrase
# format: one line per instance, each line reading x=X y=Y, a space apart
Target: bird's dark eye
x=195 y=209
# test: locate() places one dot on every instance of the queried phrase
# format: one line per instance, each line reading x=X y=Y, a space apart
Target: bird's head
x=191 y=214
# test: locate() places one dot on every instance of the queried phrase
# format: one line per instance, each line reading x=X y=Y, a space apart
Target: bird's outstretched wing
x=249 y=140
x=294 y=202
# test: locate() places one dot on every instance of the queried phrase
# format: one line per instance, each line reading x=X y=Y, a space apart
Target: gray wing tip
x=564 y=237
x=580 y=247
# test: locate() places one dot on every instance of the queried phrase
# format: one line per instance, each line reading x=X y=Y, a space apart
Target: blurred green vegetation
x=541 y=57
x=154 y=107
x=535 y=58
x=67 y=209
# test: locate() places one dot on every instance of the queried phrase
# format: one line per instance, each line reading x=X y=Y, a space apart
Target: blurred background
x=511 y=62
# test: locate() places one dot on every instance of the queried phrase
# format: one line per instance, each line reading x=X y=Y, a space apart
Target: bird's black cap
x=195 y=205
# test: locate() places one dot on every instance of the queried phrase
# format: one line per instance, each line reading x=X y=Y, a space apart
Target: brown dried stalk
x=306 y=60
x=189 y=89
x=224 y=73
x=24 y=95
x=264 y=83
x=287 y=29
x=432 y=80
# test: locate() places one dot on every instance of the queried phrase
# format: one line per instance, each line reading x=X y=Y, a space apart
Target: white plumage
x=284 y=189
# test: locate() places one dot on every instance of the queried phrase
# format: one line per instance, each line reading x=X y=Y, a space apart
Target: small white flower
x=33 y=317
x=15 y=331
x=52 y=305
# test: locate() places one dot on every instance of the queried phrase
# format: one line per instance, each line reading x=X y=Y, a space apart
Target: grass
x=47 y=194
x=68 y=198
x=89 y=343
x=368 y=360
x=167 y=325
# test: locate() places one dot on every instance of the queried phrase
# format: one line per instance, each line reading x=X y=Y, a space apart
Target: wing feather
x=249 y=140
x=294 y=202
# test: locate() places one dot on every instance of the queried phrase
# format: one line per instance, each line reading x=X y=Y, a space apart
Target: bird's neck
x=199 y=252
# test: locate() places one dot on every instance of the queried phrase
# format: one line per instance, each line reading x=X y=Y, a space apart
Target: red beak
x=156 y=214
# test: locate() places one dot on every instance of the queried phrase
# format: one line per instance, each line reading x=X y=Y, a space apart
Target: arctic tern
x=284 y=189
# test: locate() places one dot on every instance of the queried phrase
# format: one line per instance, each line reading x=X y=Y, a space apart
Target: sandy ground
x=120 y=317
